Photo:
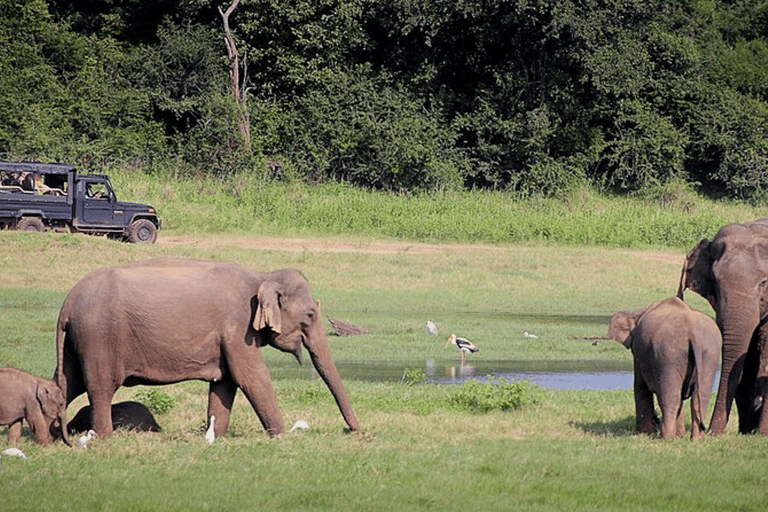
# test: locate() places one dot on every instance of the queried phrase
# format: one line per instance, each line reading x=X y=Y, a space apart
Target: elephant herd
x=676 y=349
x=168 y=320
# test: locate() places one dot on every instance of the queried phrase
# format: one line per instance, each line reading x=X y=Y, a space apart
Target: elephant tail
x=60 y=374
x=703 y=378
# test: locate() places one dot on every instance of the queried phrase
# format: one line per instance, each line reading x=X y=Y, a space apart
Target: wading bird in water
x=463 y=344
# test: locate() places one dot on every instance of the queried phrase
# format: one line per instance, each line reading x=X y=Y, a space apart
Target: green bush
x=155 y=400
x=495 y=395
x=413 y=376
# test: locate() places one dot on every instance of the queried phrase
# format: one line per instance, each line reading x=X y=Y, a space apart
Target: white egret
x=83 y=441
x=529 y=335
x=432 y=328
x=11 y=452
x=462 y=344
x=210 y=436
x=301 y=424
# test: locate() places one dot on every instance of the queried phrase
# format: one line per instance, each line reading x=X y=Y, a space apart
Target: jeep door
x=96 y=203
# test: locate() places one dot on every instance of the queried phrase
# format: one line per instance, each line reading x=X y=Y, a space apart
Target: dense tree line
x=531 y=96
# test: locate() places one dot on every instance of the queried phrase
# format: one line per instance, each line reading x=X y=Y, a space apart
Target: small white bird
x=462 y=344
x=301 y=424
x=432 y=328
x=13 y=452
x=83 y=441
x=210 y=436
x=529 y=335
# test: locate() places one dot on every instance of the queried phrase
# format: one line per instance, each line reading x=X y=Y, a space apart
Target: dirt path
x=361 y=247
x=318 y=245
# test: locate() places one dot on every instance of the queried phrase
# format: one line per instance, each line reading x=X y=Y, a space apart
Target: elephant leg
x=101 y=409
x=672 y=412
x=645 y=422
x=221 y=396
x=40 y=425
x=748 y=415
x=672 y=421
x=760 y=392
x=14 y=432
x=252 y=377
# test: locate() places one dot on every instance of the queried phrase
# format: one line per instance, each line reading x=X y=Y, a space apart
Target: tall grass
x=672 y=216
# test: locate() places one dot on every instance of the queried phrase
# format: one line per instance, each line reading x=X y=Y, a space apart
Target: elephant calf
x=676 y=351
x=39 y=401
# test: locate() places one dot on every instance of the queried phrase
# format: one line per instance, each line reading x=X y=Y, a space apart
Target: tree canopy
x=530 y=96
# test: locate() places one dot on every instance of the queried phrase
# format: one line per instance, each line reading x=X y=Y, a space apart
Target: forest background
x=528 y=97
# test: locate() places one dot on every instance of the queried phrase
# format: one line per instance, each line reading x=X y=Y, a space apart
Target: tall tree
x=238 y=86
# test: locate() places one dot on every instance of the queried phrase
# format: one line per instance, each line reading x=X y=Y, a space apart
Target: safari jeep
x=39 y=197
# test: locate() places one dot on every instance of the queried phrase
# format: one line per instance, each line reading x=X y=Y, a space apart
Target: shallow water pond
x=600 y=375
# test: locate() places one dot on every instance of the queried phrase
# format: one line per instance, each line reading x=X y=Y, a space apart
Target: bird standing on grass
x=210 y=436
x=301 y=424
x=463 y=344
x=432 y=328
x=83 y=441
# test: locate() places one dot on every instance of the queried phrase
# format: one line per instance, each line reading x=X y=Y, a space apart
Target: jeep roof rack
x=35 y=167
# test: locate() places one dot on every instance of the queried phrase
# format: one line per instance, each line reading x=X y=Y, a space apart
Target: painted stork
x=432 y=328
x=210 y=436
x=463 y=344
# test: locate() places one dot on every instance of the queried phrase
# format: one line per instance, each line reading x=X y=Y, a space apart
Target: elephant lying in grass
x=127 y=415
x=39 y=401
x=676 y=352
x=168 y=320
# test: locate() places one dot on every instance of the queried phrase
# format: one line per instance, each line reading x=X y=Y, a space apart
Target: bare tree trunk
x=239 y=93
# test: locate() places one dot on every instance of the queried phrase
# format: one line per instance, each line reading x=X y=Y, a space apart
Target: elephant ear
x=697 y=273
x=48 y=400
x=268 y=309
x=621 y=327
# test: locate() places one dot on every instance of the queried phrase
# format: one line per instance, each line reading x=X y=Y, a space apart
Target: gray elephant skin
x=169 y=320
x=39 y=401
x=676 y=351
x=731 y=272
x=128 y=415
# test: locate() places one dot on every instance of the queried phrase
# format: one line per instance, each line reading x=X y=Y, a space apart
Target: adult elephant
x=168 y=320
x=676 y=350
x=731 y=272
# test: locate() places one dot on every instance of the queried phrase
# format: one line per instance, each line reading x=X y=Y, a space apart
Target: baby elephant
x=39 y=401
x=129 y=415
x=676 y=351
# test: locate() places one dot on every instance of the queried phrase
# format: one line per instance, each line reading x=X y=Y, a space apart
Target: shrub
x=155 y=400
x=495 y=395
x=413 y=376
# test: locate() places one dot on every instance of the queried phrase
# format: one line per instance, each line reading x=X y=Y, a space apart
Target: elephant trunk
x=320 y=354
x=737 y=325
x=64 y=433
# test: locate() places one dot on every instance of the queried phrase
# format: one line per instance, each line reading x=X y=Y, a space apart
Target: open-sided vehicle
x=38 y=197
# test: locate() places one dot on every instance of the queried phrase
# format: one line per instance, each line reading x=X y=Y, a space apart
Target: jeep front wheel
x=30 y=224
x=142 y=231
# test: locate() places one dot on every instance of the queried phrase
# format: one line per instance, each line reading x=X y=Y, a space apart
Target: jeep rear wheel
x=30 y=224
x=142 y=231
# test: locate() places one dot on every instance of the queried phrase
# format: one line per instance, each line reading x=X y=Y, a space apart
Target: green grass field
x=571 y=450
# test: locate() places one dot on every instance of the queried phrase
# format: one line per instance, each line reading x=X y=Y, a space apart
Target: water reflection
x=599 y=375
